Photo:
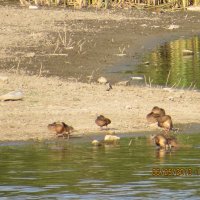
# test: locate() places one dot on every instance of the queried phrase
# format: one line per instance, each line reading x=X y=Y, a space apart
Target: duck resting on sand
x=102 y=121
x=154 y=114
x=61 y=129
x=164 y=121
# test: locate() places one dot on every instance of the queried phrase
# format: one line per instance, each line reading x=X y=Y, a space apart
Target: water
x=167 y=64
x=77 y=170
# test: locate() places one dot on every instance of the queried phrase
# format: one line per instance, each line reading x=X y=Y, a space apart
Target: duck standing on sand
x=102 y=121
x=165 y=122
x=61 y=129
x=165 y=142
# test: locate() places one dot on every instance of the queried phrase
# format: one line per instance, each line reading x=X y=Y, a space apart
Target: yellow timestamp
x=179 y=171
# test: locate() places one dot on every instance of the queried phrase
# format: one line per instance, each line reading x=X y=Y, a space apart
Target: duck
x=155 y=113
x=102 y=121
x=165 y=142
x=61 y=129
x=165 y=122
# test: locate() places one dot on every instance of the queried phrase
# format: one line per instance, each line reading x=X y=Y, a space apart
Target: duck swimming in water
x=165 y=142
x=61 y=129
x=102 y=121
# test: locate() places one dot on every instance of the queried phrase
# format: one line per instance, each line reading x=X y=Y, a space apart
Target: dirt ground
x=89 y=42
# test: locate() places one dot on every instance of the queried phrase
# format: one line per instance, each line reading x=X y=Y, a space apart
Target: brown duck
x=165 y=122
x=165 y=142
x=102 y=121
x=155 y=113
x=61 y=129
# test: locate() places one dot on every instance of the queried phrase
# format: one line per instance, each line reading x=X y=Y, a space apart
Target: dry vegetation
x=116 y=3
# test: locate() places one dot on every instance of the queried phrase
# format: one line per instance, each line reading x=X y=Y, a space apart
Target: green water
x=77 y=170
x=168 y=62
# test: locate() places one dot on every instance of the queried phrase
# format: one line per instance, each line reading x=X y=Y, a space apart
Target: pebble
x=102 y=80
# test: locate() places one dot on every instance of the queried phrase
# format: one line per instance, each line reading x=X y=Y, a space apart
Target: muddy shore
x=79 y=44
x=73 y=43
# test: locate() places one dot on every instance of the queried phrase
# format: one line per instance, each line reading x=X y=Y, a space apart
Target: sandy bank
x=51 y=99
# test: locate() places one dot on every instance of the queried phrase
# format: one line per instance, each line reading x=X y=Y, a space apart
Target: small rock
x=171 y=98
x=124 y=83
x=14 y=95
x=128 y=107
x=102 y=80
x=111 y=138
x=33 y=7
x=137 y=78
x=172 y=26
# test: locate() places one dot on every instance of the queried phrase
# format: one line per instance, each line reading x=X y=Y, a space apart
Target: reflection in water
x=168 y=64
x=61 y=170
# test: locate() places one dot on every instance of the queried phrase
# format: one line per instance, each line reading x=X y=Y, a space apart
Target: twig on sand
x=121 y=52
x=150 y=81
x=40 y=72
x=91 y=77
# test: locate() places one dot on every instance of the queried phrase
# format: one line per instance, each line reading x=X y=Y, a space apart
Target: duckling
x=61 y=129
x=102 y=121
x=155 y=113
x=164 y=141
